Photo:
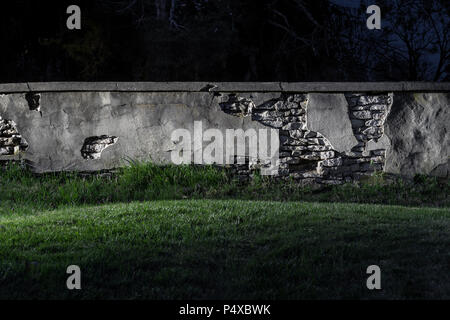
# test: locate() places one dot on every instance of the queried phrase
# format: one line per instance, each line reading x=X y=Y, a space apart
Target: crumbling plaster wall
x=328 y=133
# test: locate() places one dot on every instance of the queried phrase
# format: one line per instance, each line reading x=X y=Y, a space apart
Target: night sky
x=225 y=40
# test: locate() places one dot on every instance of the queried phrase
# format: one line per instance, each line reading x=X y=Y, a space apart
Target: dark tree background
x=225 y=40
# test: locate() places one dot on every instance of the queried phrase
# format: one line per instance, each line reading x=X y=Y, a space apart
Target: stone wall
x=306 y=154
x=329 y=133
x=11 y=141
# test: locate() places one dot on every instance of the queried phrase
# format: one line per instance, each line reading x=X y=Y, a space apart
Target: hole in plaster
x=237 y=106
x=33 y=101
x=93 y=146
x=11 y=141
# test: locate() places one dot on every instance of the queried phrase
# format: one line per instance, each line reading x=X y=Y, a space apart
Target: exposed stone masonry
x=329 y=132
x=93 y=146
x=368 y=114
x=237 y=106
x=11 y=142
x=307 y=155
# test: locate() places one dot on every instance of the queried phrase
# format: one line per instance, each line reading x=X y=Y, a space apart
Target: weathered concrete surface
x=328 y=114
x=143 y=123
x=324 y=136
x=419 y=134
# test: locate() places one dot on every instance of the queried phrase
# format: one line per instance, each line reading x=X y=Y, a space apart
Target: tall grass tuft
x=143 y=181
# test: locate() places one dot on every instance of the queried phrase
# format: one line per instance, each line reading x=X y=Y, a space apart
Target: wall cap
x=225 y=86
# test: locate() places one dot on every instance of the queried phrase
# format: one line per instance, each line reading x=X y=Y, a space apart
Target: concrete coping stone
x=327 y=87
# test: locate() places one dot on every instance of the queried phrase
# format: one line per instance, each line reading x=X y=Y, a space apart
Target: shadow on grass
x=230 y=249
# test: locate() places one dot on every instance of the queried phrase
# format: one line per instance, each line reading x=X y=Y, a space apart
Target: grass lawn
x=225 y=249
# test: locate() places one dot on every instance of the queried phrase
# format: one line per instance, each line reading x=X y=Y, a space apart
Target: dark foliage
x=223 y=40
